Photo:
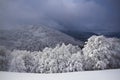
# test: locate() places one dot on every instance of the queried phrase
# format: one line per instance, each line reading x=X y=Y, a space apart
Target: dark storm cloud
x=86 y=15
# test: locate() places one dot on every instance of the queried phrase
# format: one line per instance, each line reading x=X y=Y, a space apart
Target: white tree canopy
x=99 y=52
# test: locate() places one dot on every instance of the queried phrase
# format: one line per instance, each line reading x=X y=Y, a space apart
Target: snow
x=86 y=75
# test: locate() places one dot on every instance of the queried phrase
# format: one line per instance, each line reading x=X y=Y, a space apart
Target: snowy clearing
x=87 y=75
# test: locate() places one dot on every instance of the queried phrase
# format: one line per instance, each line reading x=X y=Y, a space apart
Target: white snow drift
x=98 y=53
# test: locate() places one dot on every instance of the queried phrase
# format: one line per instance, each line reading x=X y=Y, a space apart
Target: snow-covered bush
x=101 y=53
x=4 y=58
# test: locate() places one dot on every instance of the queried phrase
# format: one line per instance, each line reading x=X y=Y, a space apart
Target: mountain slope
x=34 y=38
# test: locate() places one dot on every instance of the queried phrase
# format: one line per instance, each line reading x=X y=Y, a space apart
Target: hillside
x=34 y=38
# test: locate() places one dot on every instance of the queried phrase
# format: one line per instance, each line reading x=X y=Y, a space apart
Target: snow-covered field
x=87 y=75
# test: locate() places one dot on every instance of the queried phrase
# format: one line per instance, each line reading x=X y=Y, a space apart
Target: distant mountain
x=80 y=35
x=34 y=38
x=110 y=34
x=83 y=36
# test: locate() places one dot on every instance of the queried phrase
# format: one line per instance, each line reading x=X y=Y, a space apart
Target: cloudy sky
x=81 y=15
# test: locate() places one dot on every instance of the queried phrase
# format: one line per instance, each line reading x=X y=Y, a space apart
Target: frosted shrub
x=101 y=53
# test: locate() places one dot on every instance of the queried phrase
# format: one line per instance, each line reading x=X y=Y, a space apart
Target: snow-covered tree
x=62 y=58
x=22 y=61
x=4 y=58
x=101 y=53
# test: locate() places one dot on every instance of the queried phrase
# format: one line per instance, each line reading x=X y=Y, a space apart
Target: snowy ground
x=87 y=75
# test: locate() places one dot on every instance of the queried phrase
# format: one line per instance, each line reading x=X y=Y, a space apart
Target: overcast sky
x=82 y=15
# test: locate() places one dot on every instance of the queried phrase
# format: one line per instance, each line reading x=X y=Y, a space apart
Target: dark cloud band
x=93 y=15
